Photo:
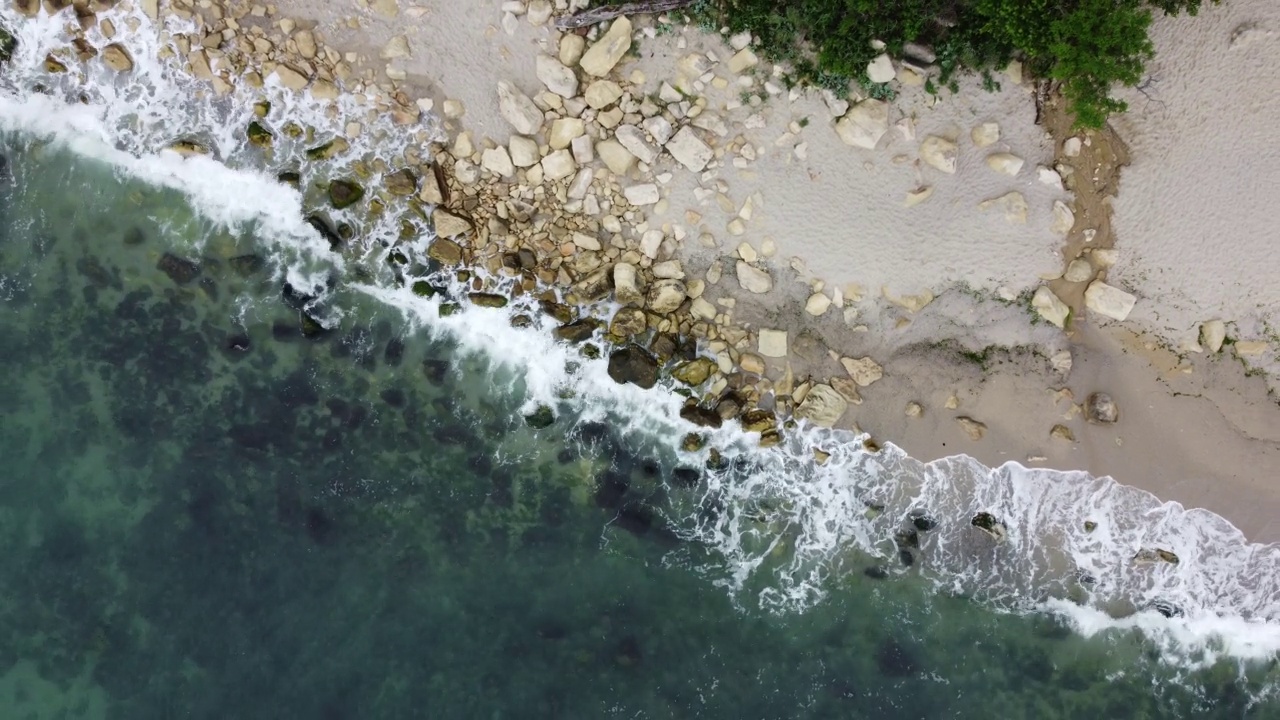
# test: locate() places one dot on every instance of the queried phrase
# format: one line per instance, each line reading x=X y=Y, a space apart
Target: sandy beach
x=911 y=259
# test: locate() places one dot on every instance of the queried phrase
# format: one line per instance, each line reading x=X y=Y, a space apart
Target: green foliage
x=1085 y=46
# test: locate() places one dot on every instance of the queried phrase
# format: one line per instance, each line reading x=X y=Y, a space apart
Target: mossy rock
x=290 y=177
x=295 y=131
x=312 y=329
x=633 y=364
x=591 y=351
x=8 y=43
x=180 y=270
x=694 y=372
x=448 y=309
x=344 y=193
x=758 y=420
x=540 y=418
x=693 y=442
x=259 y=135
x=577 y=331
x=701 y=416
x=422 y=288
x=490 y=300
x=328 y=150
x=261 y=109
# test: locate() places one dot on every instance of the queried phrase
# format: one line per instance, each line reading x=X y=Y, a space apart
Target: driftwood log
x=609 y=12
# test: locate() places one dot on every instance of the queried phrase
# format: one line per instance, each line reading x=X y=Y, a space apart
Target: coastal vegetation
x=1080 y=47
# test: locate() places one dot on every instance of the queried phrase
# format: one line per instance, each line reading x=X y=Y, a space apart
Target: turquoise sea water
x=222 y=496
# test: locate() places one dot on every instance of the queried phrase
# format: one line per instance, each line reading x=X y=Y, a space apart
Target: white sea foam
x=781 y=524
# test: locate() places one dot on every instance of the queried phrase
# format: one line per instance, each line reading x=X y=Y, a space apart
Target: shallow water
x=247 y=477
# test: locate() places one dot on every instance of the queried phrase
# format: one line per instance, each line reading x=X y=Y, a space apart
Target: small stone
x=817 y=304
x=972 y=427
x=1049 y=177
x=558 y=165
x=939 y=153
x=571 y=47
x=772 y=343
x=753 y=279
x=524 y=151
x=914 y=410
x=864 y=124
x=1050 y=307
x=985 y=134
x=618 y=159
x=864 y=371
x=453 y=109
x=917 y=196
x=669 y=269
x=1108 y=301
x=518 y=110
x=1212 y=334
x=633 y=139
x=659 y=128
x=665 y=296
x=496 y=160
x=539 y=12
x=564 y=131
x=1005 y=163
x=583 y=149
x=558 y=78
x=602 y=93
x=1100 y=408
x=822 y=406
x=1062 y=432
x=608 y=50
x=746 y=252
x=1071 y=146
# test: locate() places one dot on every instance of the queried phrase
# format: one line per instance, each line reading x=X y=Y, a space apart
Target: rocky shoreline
x=575 y=208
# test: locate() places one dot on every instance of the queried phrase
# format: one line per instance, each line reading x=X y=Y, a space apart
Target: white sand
x=1196 y=218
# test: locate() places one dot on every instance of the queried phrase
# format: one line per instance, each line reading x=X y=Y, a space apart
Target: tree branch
x=608 y=12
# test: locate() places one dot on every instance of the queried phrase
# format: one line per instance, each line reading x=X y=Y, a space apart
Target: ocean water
x=247 y=475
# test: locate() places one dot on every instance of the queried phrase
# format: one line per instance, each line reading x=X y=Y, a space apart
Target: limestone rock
x=1062 y=432
x=939 y=153
x=558 y=78
x=600 y=58
x=689 y=150
x=1250 y=348
x=1063 y=218
x=571 y=47
x=665 y=296
x=1013 y=204
x=817 y=304
x=524 y=152
x=1049 y=306
x=558 y=165
x=1100 y=408
x=986 y=134
x=518 y=110
x=822 y=406
x=880 y=70
x=117 y=58
x=291 y=78
x=602 y=93
x=617 y=158
x=752 y=363
x=633 y=364
x=753 y=279
x=564 y=131
x=448 y=225
x=864 y=124
x=743 y=60
x=1078 y=270
x=644 y=194
x=1108 y=301
x=772 y=343
x=659 y=128
x=864 y=371
x=1212 y=335
x=496 y=160
x=972 y=427
x=1005 y=163
x=633 y=139
x=914 y=410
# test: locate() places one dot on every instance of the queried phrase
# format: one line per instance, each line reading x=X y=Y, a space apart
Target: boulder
x=600 y=58
x=259 y=135
x=864 y=124
x=491 y=300
x=577 y=331
x=634 y=140
x=558 y=78
x=1078 y=270
x=626 y=285
x=291 y=78
x=1005 y=163
x=117 y=58
x=558 y=165
x=633 y=364
x=758 y=421
x=689 y=150
x=344 y=193
x=643 y=194
x=880 y=70
x=939 y=153
x=1212 y=334
x=1109 y=301
x=1151 y=555
x=822 y=406
x=618 y=159
x=523 y=152
x=665 y=296
x=498 y=161
x=1050 y=307
x=772 y=343
x=571 y=48
x=628 y=322
x=540 y=418
x=518 y=110
x=700 y=416
x=695 y=372
x=753 y=279
x=444 y=250
x=448 y=225
x=180 y=270
x=864 y=371
x=564 y=131
x=401 y=182
x=986 y=134
x=743 y=60
x=1101 y=409
x=974 y=429
x=602 y=93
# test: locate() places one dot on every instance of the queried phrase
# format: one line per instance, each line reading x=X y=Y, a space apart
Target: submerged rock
x=540 y=418
x=633 y=364
x=179 y=270
x=259 y=135
x=246 y=265
x=922 y=520
x=401 y=182
x=987 y=523
x=1151 y=555
x=320 y=226
x=328 y=150
x=344 y=193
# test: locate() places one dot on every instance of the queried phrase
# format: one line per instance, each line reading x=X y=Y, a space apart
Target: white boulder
x=864 y=124
x=940 y=153
x=518 y=110
x=689 y=150
x=600 y=58
x=1109 y=301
